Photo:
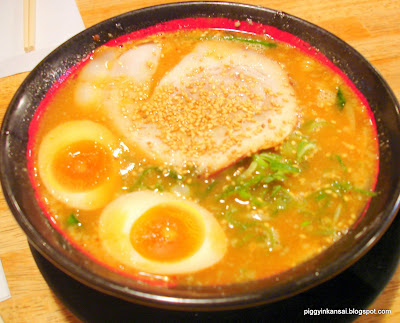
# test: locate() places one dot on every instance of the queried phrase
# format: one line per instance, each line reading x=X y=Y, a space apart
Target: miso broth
x=261 y=211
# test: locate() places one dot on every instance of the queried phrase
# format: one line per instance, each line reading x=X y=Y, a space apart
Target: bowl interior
x=21 y=197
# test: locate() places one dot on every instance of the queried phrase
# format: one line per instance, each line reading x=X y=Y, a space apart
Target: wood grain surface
x=370 y=26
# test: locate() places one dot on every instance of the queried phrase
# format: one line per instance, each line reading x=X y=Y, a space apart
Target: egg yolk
x=82 y=165
x=168 y=232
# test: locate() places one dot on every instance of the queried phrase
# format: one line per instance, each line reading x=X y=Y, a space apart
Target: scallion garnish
x=305 y=148
x=73 y=220
x=340 y=99
x=260 y=42
x=339 y=159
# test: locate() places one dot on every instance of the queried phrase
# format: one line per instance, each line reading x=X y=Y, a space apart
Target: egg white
x=60 y=138
x=119 y=216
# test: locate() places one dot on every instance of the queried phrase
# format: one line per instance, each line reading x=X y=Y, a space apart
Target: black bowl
x=51 y=244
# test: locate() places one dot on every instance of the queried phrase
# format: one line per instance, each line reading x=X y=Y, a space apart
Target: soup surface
x=203 y=156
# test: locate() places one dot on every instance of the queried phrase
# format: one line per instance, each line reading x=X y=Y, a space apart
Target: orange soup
x=203 y=157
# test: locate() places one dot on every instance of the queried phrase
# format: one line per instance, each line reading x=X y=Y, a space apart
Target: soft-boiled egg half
x=77 y=165
x=161 y=233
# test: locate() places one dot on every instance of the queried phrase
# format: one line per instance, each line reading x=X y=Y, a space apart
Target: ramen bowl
x=55 y=247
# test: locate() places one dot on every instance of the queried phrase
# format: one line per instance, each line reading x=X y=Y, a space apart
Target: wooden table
x=372 y=27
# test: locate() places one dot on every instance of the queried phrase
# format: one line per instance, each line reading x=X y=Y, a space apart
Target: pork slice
x=220 y=103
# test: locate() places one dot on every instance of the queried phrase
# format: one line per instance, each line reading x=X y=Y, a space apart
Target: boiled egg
x=161 y=233
x=76 y=164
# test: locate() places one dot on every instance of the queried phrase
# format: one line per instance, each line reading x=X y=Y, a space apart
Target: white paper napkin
x=56 y=21
x=4 y=290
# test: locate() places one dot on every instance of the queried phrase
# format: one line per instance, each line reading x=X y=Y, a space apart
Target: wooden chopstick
x=29 y=25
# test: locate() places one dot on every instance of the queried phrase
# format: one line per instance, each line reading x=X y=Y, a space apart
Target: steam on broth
x=204 y=156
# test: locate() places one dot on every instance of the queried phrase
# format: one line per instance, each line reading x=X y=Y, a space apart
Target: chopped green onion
x=174 y=175
x=304 y=148
x=278 y=163
x=260 y=161
x=313 y=125
x=274 y=177
x=244 y=193
x=140 y=181
x=73 y=220
x=364 y=192
x=146 y=175
x=253 y=184
x=159 y=187
x=237 y=223
x=340 y=99
x=244 y=40
x=250 y=170
x=253 y=180
x=275 y=190
x=257 y=201
x=341 y=162
x=305 y=223
x=251 y=41
x=209 y=188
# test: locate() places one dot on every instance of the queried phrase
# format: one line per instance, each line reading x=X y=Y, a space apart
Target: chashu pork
x=220 y=103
